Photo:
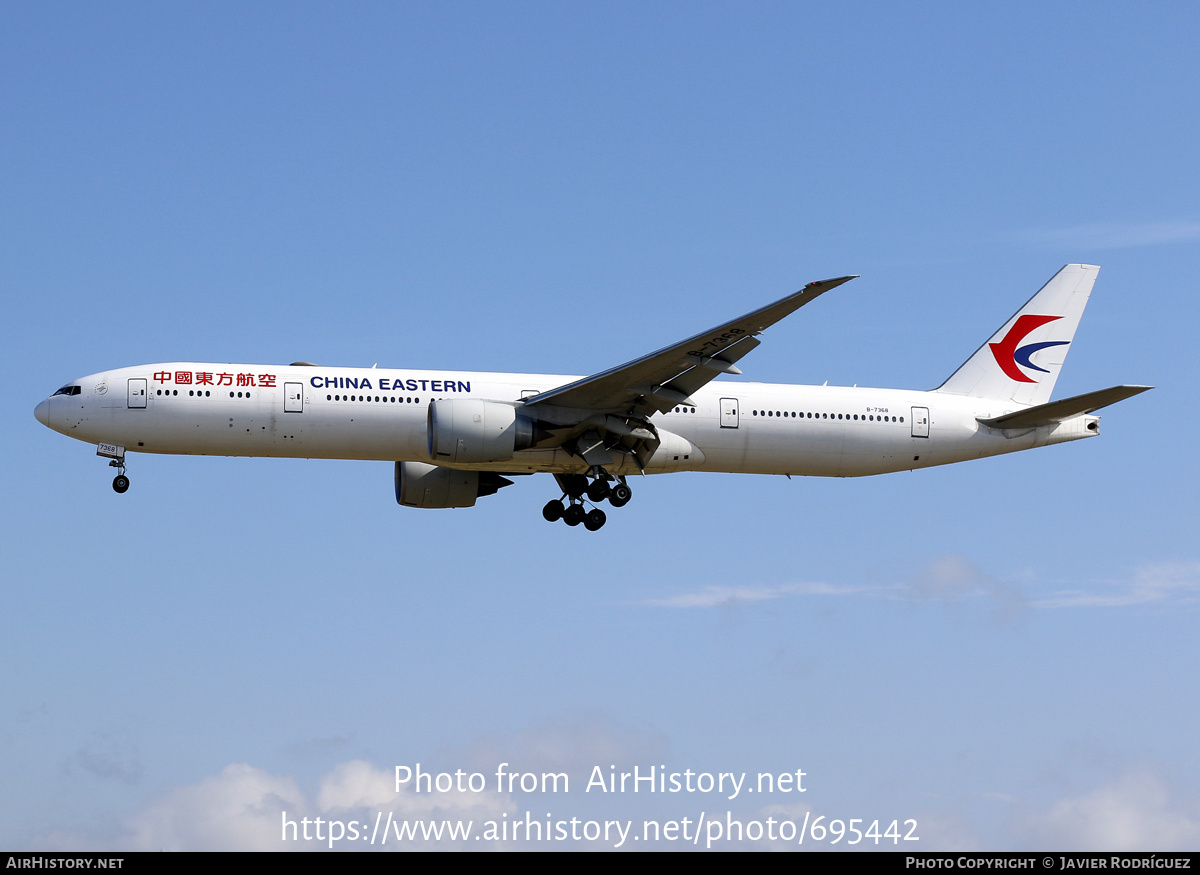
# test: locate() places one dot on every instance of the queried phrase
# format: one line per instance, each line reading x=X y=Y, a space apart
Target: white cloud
x=1137 y=812
x=953 y=579
x=244 y=808
x=359 y=787
x=572 y=747
x=948 y=579
x=237 y=810
x=798 y=813
x=1115 y=235
x=356 y=784
x=1164 y=583
x=721 y=596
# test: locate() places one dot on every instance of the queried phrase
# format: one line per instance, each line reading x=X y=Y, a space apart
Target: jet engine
x=421 y=485
x=465 y=430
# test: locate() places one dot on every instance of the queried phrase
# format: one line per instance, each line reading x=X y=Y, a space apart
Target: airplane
x=457 y=436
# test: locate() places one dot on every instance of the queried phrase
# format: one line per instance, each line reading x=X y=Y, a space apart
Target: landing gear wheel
x=553 y=511
x=619 y=495
x=574 y=515
x=595 y=519
x=597 y=490
x=120 y=484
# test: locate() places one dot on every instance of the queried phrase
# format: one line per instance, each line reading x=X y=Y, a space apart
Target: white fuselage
x=382 y=414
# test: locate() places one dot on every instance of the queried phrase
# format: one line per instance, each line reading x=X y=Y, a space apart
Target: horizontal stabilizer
x=1057 y=411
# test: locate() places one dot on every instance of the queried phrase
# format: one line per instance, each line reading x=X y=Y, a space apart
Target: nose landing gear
x=575 y=487
x=116 y=457
x=120 y=482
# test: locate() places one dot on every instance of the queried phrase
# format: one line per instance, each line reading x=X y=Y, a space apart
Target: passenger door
x=137 y=392
x=729 y=413
x=920 y=422
x=293 y=397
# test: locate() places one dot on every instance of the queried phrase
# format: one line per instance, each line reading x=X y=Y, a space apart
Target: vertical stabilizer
x=1021 y=361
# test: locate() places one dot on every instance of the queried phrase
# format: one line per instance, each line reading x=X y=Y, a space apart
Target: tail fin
x=1021 y=361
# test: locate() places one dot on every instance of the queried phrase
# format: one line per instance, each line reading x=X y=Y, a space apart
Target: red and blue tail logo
x=1009 y=355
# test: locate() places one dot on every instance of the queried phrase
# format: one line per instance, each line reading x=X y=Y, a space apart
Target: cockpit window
x=68 y=390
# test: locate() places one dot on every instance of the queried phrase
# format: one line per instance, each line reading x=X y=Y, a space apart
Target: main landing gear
x=575 y=487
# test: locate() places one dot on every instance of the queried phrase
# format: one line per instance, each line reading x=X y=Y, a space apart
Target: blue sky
x=1003 y=650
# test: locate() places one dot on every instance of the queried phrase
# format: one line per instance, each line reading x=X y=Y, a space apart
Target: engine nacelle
x=465 y=430
x=421 y=485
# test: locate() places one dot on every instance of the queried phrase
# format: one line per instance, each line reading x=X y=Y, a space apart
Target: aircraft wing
x=668 y=377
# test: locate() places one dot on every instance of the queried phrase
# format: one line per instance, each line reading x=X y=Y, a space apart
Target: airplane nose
x=42 y=412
